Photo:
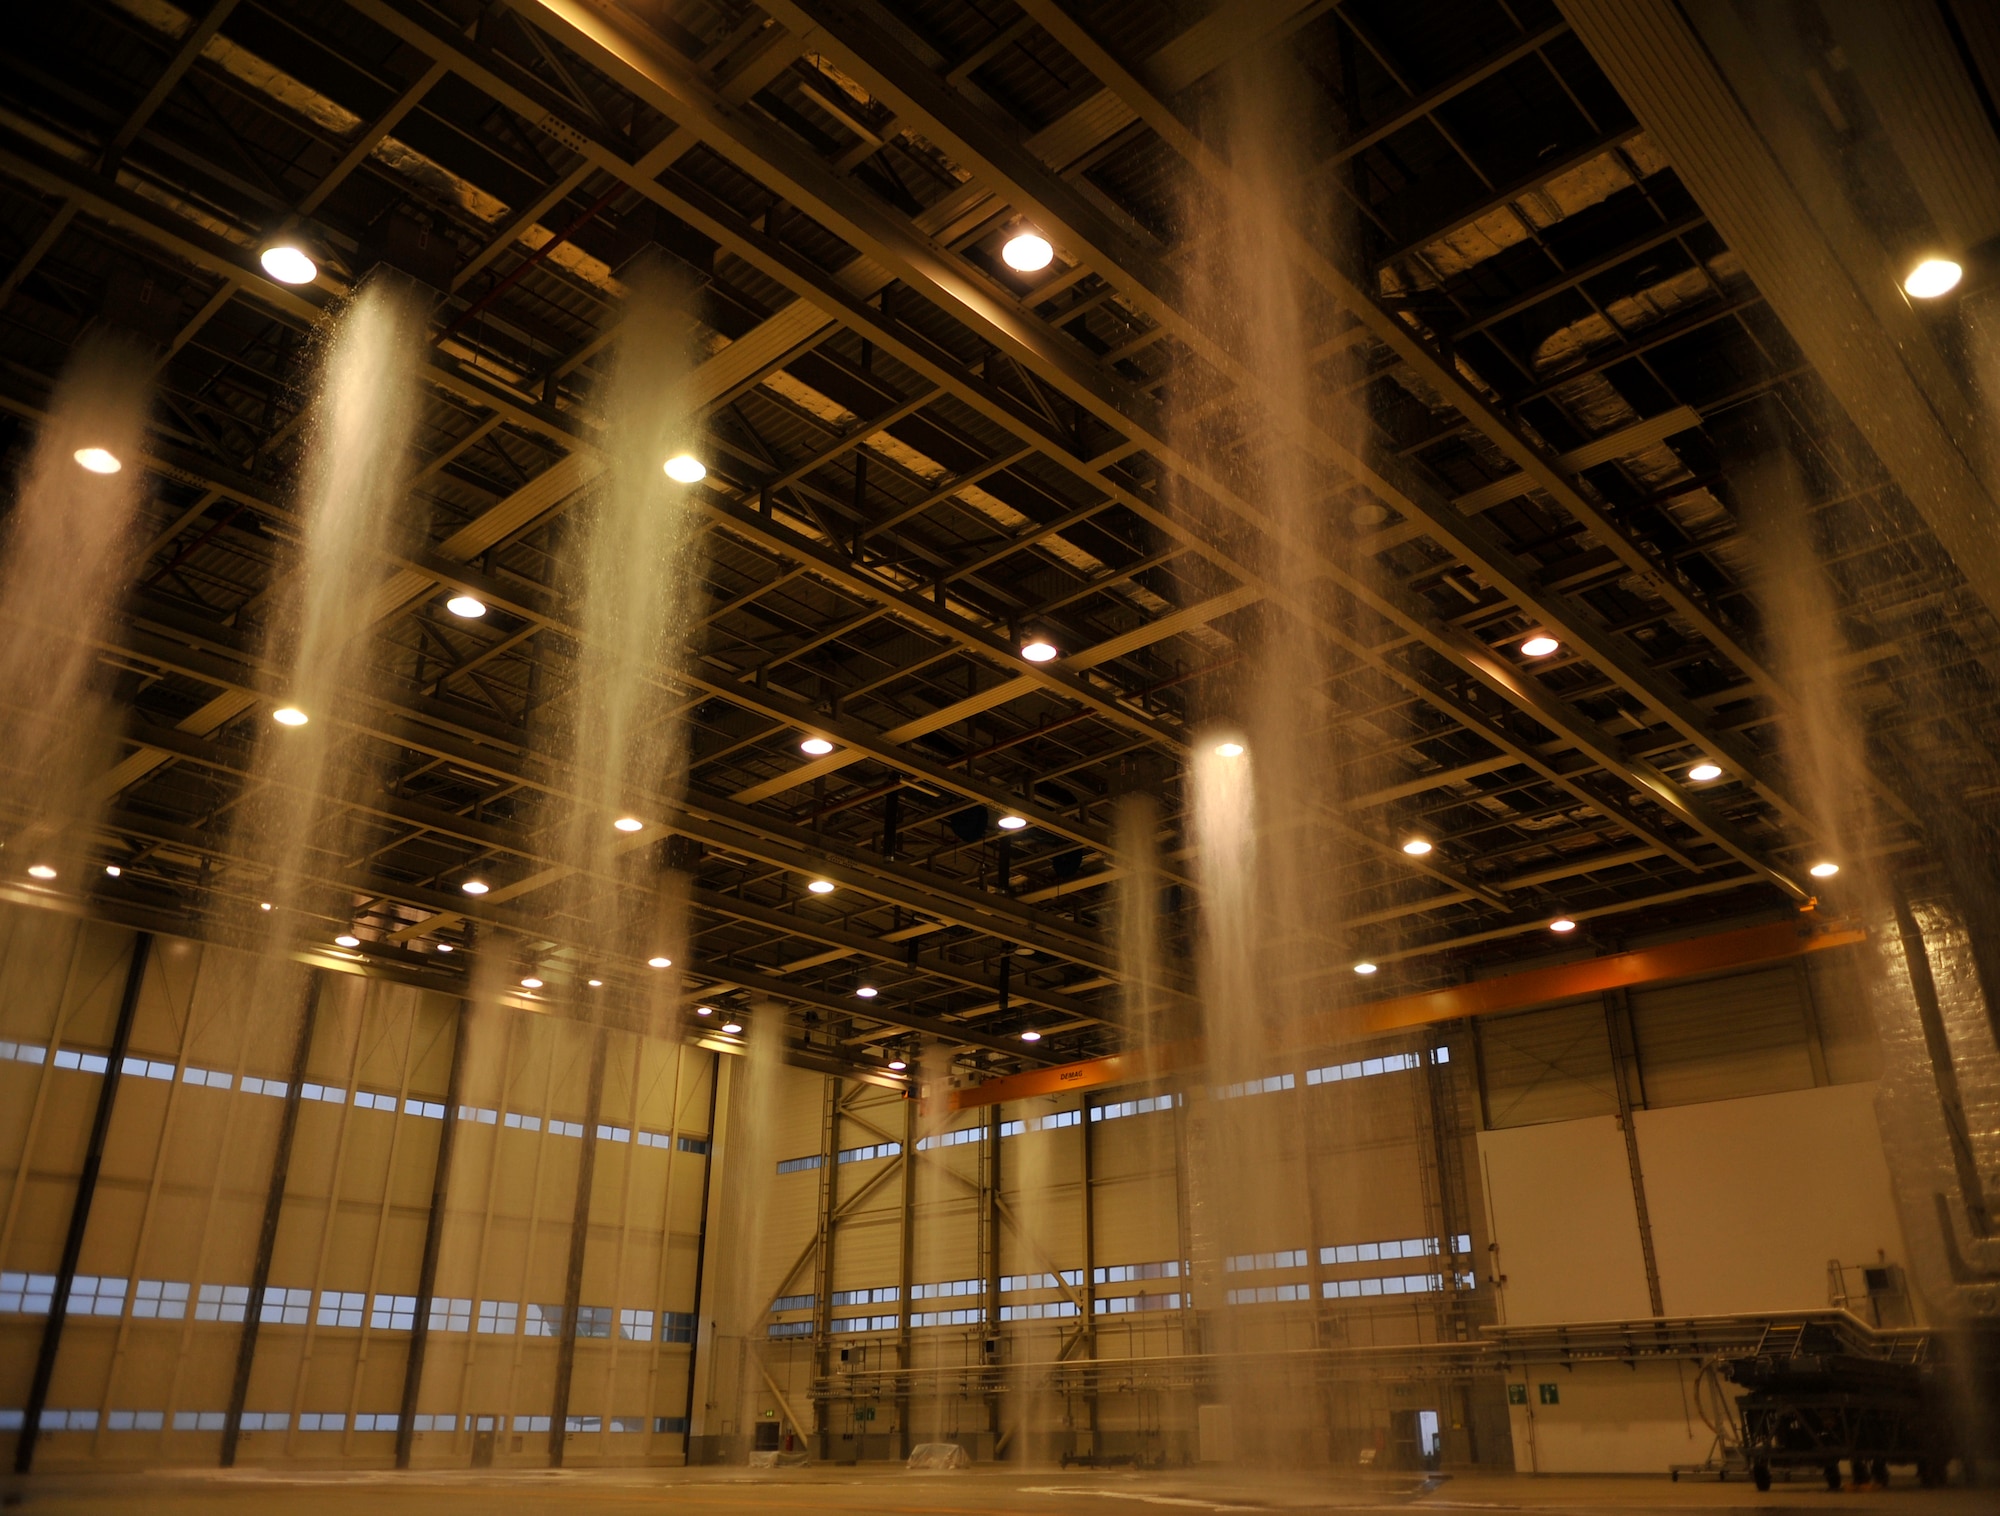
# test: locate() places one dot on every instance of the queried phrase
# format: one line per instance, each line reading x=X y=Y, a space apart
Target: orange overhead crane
x=1685 y=959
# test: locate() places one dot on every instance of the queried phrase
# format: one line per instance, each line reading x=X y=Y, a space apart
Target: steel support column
x=79 y=1209
x=579 y=1237
x=274 y=1206
x=1628 y=1083
x=822 y=1319
x=420 y=1324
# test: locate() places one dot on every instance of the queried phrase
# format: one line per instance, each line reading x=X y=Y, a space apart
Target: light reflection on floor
x=975 y=1492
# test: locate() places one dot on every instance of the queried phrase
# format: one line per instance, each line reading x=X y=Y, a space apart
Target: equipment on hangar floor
x=1819 y=1394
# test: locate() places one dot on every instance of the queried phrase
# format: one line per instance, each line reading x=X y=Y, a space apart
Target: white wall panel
x=1749 y=1199
x=1559 y=1204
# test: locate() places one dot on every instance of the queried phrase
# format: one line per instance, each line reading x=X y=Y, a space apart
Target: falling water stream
x=64 y=565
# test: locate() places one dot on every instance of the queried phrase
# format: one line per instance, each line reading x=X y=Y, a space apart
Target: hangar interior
x=1227 y=744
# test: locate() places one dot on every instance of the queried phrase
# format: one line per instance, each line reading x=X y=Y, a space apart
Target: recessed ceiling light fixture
x=685 y=468
x=1031 y=1036
x=629 y=824
x=466 y=606
x=1011 y=823
x=817 y=747
x=40 y=871
x=1027 y=252
x=732 y=1027
x=1040 y=650
x=1704 y=771
x=97 y=460
x=1416 y=847
x=475 y=886
x=821 y=886
x=347 y=939
x=1931 y=278
x=288 y=263
x=867 y=991
x=289 y=715
x=1364 y=967
x=659 y=961
x=1539 y=646
x=1229 y=750
x=1824 y=870
x=1562 y=924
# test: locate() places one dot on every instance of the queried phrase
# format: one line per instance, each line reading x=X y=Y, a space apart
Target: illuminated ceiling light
x=1040 y=650
x=867 y=992
x=531 y=983
x=1229 y=750
x=817 y=747
x=1364 y=968
x=1416 y=847
x=347 y=939
x=1539 y=646
x=898 y=1065
x=263 y=905
x=732 y=1027
x=98 y=460
x=1931 y=278
x=1012 y=823
x=1031 y=1036
x=1027 y=253
x=704 y=1010
x=113 y=870
x=1562 y=924
x=1818 y=870
x=821 y=886
x=475 y=886
x=444 y=947
x=595 y=984
x=466 y=606
x=289 y=715
x=661 y=961
x=629 y=824
x=288 y=263
x=685 y=468
x=40 y=871
x=1704 y=771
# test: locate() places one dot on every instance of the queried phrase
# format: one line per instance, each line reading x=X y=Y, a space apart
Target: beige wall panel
x=866 y=1250
x=1609 y=1419
x=1552 y=1064
x=1559 y=1204
x=1369 y=1196
x=1717 y=1039
x=36 y=953
x=1840 y=1005
x=1750 y=1198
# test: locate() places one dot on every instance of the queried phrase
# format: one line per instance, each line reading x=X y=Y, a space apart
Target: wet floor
x=976 y=1492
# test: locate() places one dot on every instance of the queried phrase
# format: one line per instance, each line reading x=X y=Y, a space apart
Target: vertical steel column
x=420 y=1324
x=701 y=1352
x=822 y=1338
x=79 y=1209
x=1937 y=1042
x=904 y=1270
x=989 y=1262
x=1089 y=1204
x=579 y=1235
x=1625 y=1079
x=267 y=1235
